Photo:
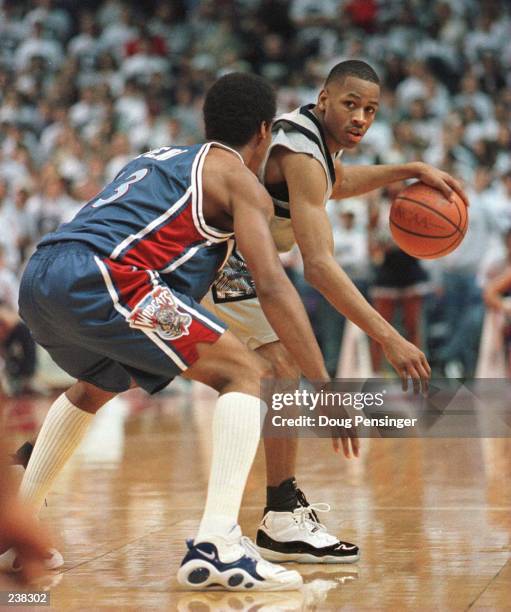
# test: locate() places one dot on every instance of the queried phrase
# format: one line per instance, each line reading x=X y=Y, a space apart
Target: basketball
x=425 y=224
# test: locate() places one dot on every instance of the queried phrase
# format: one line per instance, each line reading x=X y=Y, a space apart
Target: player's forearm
x=357 y=180
x=286 y=314
x=335 y=285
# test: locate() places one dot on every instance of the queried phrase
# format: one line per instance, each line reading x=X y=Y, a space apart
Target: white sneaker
x=299 y=536
x=233 y=564
x=9 y=561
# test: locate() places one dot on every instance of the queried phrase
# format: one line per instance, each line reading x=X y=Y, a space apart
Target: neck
x=333 y=146
x=247 y=153
x=243 y=151
x=251 y=157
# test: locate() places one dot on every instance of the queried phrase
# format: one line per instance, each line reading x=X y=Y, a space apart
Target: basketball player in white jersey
x=302 y=171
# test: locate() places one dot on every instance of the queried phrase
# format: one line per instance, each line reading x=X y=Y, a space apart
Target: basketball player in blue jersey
x=114 y=297
x=302 y=171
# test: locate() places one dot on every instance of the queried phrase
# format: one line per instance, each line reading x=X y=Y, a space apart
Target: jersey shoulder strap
x=303 y=121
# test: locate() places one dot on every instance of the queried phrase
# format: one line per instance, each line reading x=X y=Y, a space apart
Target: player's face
x=348 y=109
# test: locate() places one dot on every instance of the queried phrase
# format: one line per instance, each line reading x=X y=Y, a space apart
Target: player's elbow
x=315 y=271
x=270 y=282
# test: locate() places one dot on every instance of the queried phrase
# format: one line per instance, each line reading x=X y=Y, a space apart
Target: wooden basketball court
x=432 y=517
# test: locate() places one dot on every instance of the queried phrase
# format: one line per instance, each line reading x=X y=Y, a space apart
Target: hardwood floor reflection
x=432 y=517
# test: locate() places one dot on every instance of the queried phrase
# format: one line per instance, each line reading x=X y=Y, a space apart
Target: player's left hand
x=348 y=440
x=19 y=529
x=440 y=180
x=343 y=438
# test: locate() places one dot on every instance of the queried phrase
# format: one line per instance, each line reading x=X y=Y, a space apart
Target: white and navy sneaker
x=9 y=562
x=300 y=536
x=233 y=564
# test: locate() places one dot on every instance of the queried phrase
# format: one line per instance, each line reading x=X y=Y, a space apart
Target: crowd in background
x=86 y=86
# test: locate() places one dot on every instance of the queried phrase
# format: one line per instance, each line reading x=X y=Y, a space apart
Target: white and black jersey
x=299 y=131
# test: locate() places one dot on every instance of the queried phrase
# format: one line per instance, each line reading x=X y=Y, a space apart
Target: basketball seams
x=414 y=239
x=446 y=250
x=434 y=210
x=408 y=231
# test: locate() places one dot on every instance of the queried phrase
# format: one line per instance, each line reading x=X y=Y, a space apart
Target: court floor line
x=490 y=582
x=119 y=547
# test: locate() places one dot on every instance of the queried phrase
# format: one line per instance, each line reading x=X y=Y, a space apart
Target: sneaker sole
x=273 y=555
x=201 y=575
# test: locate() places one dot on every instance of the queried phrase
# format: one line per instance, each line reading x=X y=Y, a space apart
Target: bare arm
x=306 y=183
x=495 y=288
x=252 y=209
x=357 y=180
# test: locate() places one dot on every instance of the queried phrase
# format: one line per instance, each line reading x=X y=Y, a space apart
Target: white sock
x=62 y=431
x=236 y=433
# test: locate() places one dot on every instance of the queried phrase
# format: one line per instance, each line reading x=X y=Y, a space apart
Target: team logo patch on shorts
x=158 y=312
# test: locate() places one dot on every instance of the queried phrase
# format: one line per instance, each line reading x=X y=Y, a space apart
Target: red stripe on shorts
x=131 y=285
x=187 y=345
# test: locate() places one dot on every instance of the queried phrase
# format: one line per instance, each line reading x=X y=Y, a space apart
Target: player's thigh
x=245 y=319
x=229 y=365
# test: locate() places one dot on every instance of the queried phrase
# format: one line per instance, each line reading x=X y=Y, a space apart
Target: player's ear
x=264 y=130
x=322 y=98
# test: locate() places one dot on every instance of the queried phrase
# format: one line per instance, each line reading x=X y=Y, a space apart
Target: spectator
x=17 y=349
x=462 y=299
x=83 y=89
x=9 y=285
x=399 y=283
x=38 y=45
x=351 y=251
x=18 y=352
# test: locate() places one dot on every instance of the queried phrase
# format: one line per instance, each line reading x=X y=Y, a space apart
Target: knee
x=285 y=368
x=245 y=375
x=87 y=397
x=255 y=368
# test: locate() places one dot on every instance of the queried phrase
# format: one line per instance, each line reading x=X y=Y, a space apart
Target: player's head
x=239 y=107
x=348 y=102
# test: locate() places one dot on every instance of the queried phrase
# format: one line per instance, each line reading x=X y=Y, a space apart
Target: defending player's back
x=150 y=217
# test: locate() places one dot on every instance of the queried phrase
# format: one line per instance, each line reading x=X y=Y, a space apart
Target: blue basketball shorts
x=106 y=323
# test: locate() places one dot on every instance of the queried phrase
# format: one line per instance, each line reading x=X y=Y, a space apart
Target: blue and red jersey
x=150 y=217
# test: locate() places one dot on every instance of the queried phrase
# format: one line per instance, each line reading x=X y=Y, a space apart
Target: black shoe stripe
x=296 y=547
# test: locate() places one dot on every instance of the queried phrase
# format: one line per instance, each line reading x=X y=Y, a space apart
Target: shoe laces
x=307 y=513
x=307 y=517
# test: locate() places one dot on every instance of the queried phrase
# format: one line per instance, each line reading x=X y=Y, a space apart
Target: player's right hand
x=409 y=362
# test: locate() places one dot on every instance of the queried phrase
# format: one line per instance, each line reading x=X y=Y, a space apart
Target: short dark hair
x=355 y=68
x=236 y=105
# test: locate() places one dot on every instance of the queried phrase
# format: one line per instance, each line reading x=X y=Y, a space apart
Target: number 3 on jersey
x=123 y=188
x=161 y=154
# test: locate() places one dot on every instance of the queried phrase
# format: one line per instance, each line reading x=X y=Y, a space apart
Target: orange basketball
x=425 y=224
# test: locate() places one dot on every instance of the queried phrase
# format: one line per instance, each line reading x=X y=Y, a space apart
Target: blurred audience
x=86 y=86
x=399 y=282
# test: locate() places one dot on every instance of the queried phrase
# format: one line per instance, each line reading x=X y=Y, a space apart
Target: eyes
x=350 y=105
